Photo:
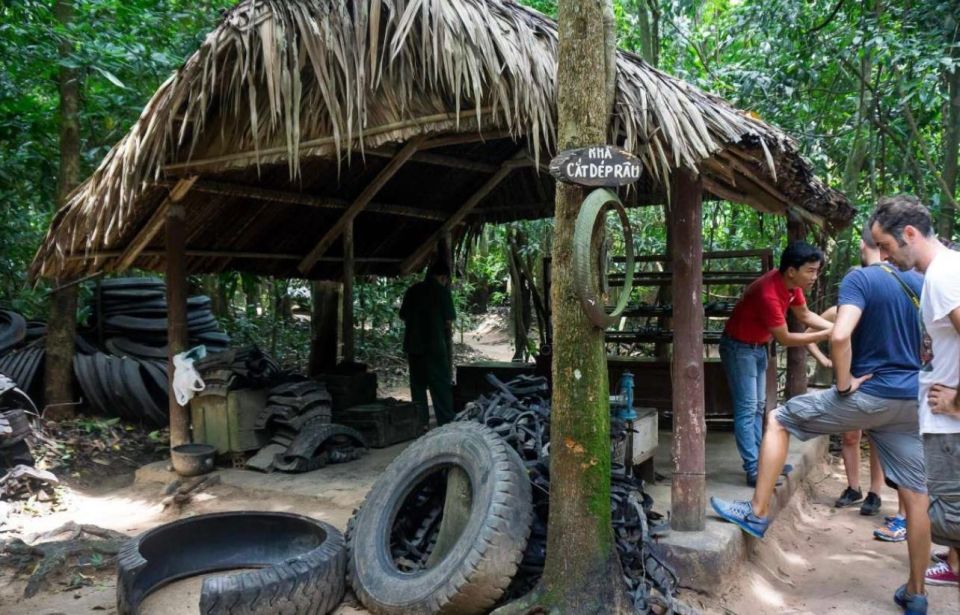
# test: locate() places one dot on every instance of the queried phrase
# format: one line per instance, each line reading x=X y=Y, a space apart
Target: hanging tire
x=476 y=569
x=299 y=563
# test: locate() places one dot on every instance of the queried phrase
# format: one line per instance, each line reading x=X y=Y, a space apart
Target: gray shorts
x=942 y=452
x=891 y=424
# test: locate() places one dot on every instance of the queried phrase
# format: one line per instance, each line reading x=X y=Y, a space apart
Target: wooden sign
x=599 y=166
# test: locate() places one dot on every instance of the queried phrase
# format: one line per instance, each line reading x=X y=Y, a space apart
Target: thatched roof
x=409 y=117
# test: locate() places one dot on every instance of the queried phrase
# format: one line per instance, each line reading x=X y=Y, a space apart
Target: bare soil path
x=817 y=559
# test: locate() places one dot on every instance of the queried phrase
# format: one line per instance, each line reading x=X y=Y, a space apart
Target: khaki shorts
x=942 y=453
x=892 y=425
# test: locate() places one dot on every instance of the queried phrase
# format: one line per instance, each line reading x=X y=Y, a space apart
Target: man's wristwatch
x=846 y=391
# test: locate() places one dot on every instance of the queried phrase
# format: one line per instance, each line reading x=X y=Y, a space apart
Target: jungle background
x=869 y=89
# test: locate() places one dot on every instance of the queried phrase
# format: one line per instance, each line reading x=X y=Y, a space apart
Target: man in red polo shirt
x=758 y=317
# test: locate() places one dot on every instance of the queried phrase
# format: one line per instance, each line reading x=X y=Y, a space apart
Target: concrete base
x=706 y=559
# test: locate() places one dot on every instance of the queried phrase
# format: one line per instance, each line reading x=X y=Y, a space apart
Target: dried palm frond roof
x=406 y=117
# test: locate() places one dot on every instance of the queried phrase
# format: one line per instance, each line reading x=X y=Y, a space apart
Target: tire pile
x=19 y=479
x=519 y=411
x=130 y=379
x=238 y=368
x=501 y=441
x=133 y=389
x=134 y=319
x=301 y=437
x=23 y=352
x=14 y=426
x=127 y=377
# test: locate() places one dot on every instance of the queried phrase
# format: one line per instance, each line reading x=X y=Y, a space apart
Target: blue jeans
x=746 y=369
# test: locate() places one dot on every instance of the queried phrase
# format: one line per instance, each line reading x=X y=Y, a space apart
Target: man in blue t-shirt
x=875 y=348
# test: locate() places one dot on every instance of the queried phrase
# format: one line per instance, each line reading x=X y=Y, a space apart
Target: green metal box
x=226 y=421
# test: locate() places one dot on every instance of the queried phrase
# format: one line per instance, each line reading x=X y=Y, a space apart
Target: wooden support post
x=688 y=489
x=796 y=356
x=347 y=314
x=177 y=333
x=323 y=328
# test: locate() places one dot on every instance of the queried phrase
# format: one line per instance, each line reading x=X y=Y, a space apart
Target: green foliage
x=840 y=77
x=123 y=50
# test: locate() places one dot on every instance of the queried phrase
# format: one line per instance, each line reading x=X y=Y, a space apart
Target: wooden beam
x=466 y=138
x=360 y=202
x=439 y=160
x=414 y=260
x=308 y=200
x=177 y=333
x=715 y=187
x=227 y=254
x=252 y=157
x=156 y=221
x=688 y=488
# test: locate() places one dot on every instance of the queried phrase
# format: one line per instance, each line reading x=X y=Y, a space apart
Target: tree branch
x=825 y=22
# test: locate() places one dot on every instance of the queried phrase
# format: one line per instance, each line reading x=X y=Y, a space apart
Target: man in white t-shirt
x=903 y=229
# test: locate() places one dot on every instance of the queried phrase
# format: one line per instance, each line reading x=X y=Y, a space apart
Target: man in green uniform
x=428 y=313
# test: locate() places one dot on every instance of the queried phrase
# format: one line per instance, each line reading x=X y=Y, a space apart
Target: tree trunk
x=519 y=298
x=62 y=320
x=213 y=289
x=323 y=327
x=349 y=353
x=582 y=572
x=951 y=143
x=648 y=24
x=251 y=293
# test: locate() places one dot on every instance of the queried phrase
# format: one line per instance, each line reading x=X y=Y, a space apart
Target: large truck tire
x=299 y=563
x=475 y=568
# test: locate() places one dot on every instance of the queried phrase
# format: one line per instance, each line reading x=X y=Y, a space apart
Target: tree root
x=533 y=603
x=97 y=552
x=180 y=493
x=540 y=601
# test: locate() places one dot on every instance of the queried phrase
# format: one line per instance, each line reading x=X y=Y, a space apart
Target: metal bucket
x=192 y=459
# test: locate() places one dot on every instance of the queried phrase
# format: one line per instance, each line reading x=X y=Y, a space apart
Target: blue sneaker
x=740 y=512
x=912 y=604
x=895 y=530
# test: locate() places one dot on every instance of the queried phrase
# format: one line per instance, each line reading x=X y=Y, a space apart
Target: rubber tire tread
x=474 y=583
x=311 y=584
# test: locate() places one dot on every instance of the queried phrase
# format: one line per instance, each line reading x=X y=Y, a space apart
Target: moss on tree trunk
x=582 y=573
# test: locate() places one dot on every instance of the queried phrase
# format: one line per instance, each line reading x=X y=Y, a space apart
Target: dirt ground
x=815 y=560
x=818 y=559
